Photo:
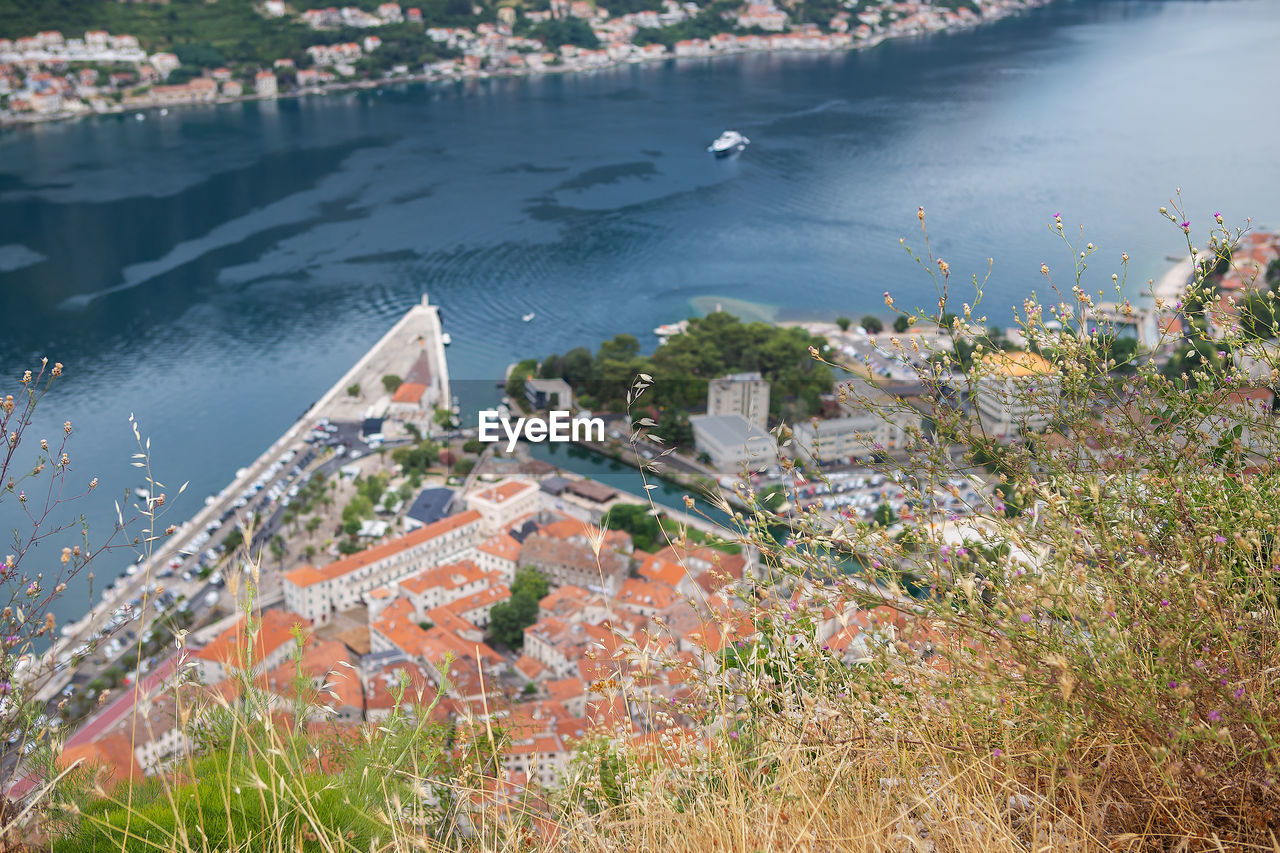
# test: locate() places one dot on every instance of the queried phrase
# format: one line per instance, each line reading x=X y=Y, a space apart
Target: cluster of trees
x=508 y=619
x=369 y=491
x=870 y=322
x=636 y=519
x=558 y=31
x=714 y=345
x=417 y=459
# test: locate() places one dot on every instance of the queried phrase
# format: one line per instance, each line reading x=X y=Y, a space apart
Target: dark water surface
x=214 y=270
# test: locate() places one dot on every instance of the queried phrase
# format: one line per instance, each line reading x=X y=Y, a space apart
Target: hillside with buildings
x=924 y=639
x=64 y=60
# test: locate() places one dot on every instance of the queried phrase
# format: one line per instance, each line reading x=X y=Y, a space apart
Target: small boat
x=140 y=117
x=729 y=142
x=668 y=330
x=528 y=317
x=165 y=111
x=446 y=338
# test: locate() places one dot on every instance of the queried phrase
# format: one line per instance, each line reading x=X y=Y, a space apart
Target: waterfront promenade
x=417 y=333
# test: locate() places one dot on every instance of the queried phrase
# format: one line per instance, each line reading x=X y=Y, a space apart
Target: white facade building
x=318 y=593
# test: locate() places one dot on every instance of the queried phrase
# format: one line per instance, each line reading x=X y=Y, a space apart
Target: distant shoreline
x=28 y=120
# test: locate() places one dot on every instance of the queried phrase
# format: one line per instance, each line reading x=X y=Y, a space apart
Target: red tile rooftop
x=401 y=608
x=113 y=753
x=505 y=491
x=403 y=633
x=409 y=392
x=565 y=689
x=663 y=571
x=449 y=576
x=492 y=595
x=308 y=575
x=648 y=594
x=276 y=628
x=503 y=545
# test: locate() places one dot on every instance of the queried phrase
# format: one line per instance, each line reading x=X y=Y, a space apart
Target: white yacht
x=729 y=142
x=528 y=318
x=446 y=338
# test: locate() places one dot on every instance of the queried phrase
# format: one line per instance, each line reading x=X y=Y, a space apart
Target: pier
x=415 y=339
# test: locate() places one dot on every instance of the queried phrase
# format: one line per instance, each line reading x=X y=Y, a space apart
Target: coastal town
x=56 y=75
x=393 y=563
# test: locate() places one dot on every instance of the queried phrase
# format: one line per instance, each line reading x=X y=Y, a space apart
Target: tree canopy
x=714 y=345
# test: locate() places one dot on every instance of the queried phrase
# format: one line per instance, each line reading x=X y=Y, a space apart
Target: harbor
x=181 y=563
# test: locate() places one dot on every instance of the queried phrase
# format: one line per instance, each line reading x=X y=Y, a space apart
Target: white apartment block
x=318 y=593
x=745 y=394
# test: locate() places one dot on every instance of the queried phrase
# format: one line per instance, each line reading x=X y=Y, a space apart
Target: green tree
x=1272 y=275
x=515 y=381
x=558 y=31
x=676 y=429
x=844 y=323
x=353 y=390
x=1258 y=316
x=901 y=323
x=872 y=324
x=391 y=382
x=884 y=516
x=508 y=619
x=639 y=521
x=530 y=581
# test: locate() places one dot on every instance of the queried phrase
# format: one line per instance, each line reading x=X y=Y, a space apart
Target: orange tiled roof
x=503 y=545
x=449 y=576
x=384 y=684
x=231 y=647
x=492 y=595
x=505 y=491
x=657 y=569
x=409 y=392
x=113 y=753
x=401 y=608
x=643 y=593
x=402 y=633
